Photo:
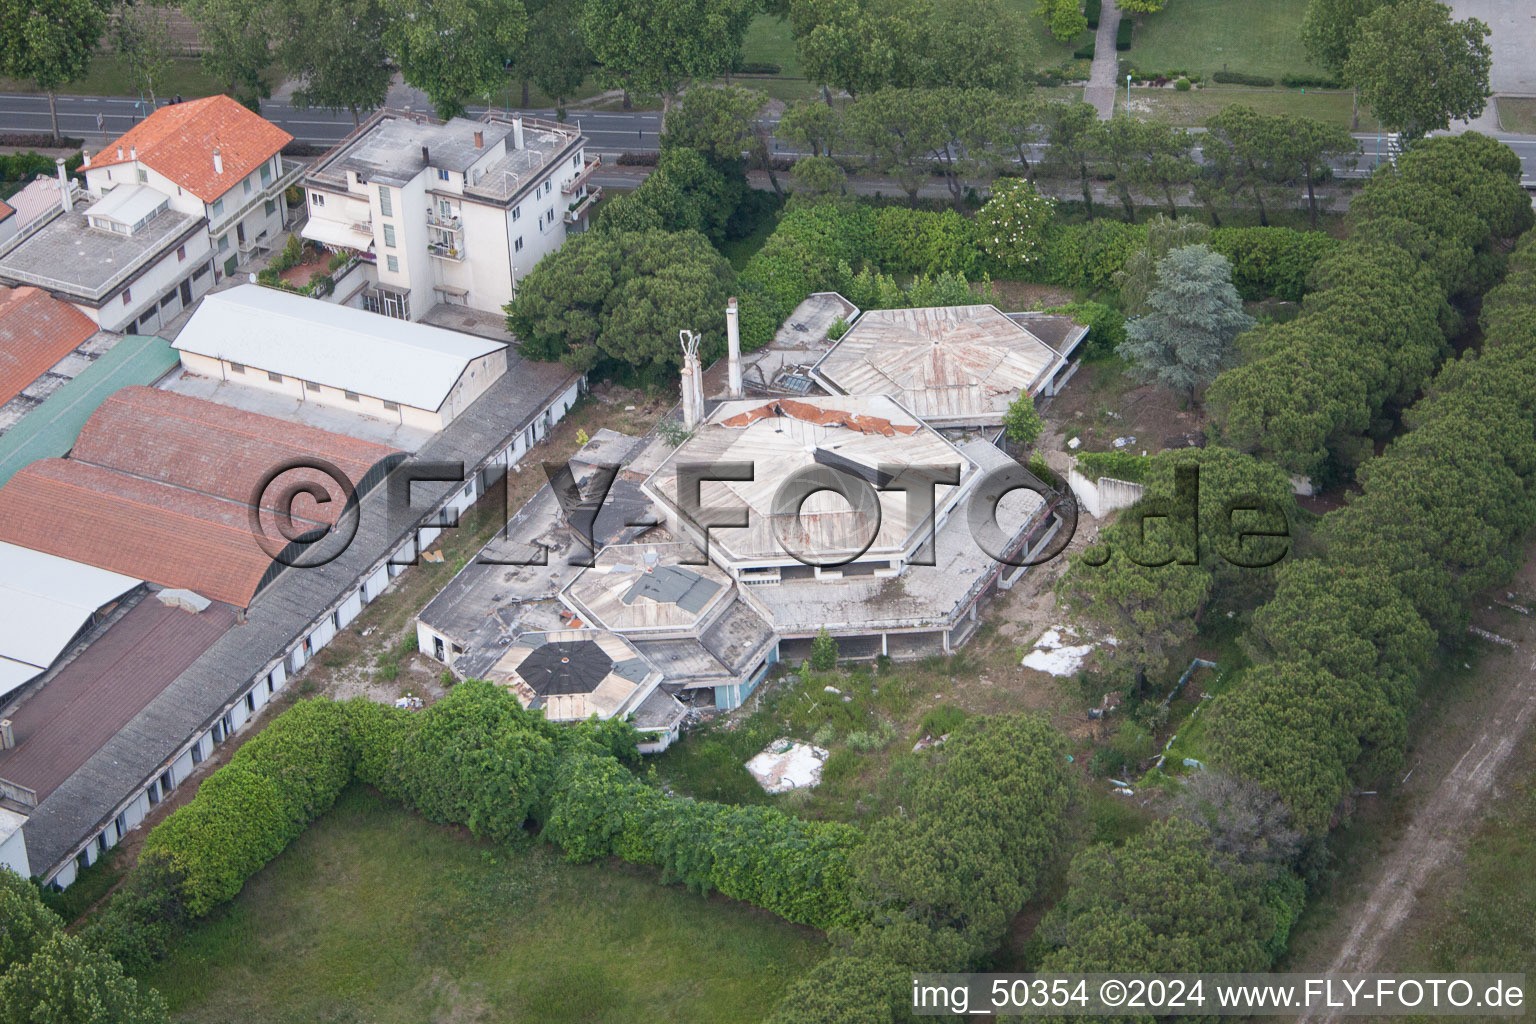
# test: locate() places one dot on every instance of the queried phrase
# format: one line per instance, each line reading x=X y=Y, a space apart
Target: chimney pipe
x=64 y=196
x=7 y=737
x=426 y=156
x=85 y=158
x=517 y=133
x=218 y=162
x=133 y=152
x=119 y=152
x=693 y=395
x=733 y=345
x=479 y=139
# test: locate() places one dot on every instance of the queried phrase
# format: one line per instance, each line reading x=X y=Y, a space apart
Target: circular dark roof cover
x=565 y=667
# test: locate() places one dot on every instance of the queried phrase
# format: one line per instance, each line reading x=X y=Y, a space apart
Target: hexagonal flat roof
x=951 y=365
x=861 y=436
x=573 y=674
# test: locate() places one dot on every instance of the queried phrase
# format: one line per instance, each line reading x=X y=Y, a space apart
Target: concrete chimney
x=426 y=156
x=119 y=152
x=133 y=152
x=85 y=158
x=698 y=387
x=64 y=197
x=517 y=133
x=479 y=139
x=218 y=162
x=7 y=737
x=733 y=346
x=693 y=393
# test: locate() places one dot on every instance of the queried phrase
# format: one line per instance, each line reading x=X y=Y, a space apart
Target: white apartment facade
x=449 y=212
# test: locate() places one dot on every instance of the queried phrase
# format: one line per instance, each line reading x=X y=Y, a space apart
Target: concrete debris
x=787 y=764
x=1055 y=655
x=832 y=689
x=928 y=741
x=1494 y=637
x=1074 y=443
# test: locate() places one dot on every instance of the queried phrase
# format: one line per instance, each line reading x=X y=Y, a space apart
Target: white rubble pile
x=787 y=764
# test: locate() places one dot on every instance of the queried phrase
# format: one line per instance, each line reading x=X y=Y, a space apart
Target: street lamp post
x=1127 y=94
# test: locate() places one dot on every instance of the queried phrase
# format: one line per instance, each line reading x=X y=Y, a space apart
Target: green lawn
x=1258 y=37
x=1194 y=106
x=1517 y=114
x=374 y=915
x=108 y=76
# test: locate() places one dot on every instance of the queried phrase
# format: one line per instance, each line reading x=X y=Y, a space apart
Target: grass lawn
x=108 y=76
x=1517 y=114
x=1193 y=107
x=374 y=915
x=1257 y=37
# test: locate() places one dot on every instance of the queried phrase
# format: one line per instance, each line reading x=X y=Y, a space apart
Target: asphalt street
x=608 y=131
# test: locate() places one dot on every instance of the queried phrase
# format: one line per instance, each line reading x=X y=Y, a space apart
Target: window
x=269 y=207
x=517 y=246
x=275 y=378
x=181 y=253
x=546 y=187
x=143 y=176
x=442 y=175
x=223 y=242
x=317 y=199
x=393 y=263
x=517 y=211
x=351 y=396
x=218 y=207
x=247 y=184
x=386 y=204
x=266 y=174
x=236 y=367
x=127 y=296
x=250 y=702
x=197 y=752
x=389 y=235
x=310 y=385
x=392 y=406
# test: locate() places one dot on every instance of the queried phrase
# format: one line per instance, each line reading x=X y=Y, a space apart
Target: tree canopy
x=336 y=50
x=1195 y=316
x=455 y=51
x=1418 y=69
x=50 y=42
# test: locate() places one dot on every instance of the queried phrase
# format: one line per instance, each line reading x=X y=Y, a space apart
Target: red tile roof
x=824 y=417
x=36 y=331
x=6 y=209
x=98 y=693
x=178 y=141
x=160 y=486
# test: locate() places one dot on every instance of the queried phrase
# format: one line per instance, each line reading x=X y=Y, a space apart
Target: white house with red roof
x=209 y=158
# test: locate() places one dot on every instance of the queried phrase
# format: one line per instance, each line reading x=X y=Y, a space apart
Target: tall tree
x=1138 y=276
x=71 y=982
x=898 y=131
x=1117 y=156
x=1329 y=30
x=1063 y=18
x=336 y=50
x=1249 y=153
x=655 y=47
x=561 y=60
x=1311 y=147
x=1196 y=315
x=840 y=44
x=1418 y=69
x=1072 y=139
x=455 y=50
x=142 y=37
x=1163 y=161
x=237 y=48
x=50 y=42
x=810 y=125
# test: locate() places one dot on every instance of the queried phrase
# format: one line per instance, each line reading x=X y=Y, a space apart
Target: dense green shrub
x=1092 y=10
x=1310 y=82
x=1271 y=261
x=1084 y=52
x=1239 y=78
x=823 y=651
x=1106 y=327
x=1123 y=34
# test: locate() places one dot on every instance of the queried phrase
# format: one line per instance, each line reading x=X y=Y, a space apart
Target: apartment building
x=212 y=159
x=451 y=212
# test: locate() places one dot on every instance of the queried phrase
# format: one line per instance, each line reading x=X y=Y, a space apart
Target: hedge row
x=797 y=869
x=1311 y=391
x=478 y=759
x=1239 y=78
x=1092 y=10
x=1271 y=261
x=1441 y=516
x=1123 y=34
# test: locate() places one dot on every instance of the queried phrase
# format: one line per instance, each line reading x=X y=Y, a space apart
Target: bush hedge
x=1084 y=52
x=1271 y=261
x=1239 y=78
x=1310 y=82
x=1092 y=10
x=1123 y=34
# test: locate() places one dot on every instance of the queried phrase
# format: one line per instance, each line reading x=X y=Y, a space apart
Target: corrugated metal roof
x=951 y=365
x=51 y=428
x=160 y=486
x=309 y=339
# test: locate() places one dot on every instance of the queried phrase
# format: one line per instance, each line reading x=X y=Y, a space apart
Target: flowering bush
x=1013 y=224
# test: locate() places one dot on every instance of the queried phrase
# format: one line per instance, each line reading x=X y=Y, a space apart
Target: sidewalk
x=1104 y=79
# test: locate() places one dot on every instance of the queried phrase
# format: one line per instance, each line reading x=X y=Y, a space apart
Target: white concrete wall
x=1103 y=496
x=121 y=310
x=13 y=853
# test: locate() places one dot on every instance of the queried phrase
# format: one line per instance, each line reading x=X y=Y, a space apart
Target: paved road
x=609 y=131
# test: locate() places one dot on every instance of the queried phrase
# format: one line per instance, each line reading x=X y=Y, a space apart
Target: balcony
x=449 y=223
x=444 y=251
x=574 y=185
x=579 y=210
x=272 y=190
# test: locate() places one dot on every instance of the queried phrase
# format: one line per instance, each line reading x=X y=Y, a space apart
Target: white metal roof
x=129 y=204
x=318 y=341
x=44 y=600
x=333 y=232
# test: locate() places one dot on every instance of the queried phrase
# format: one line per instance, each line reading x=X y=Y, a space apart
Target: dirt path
x=1442 y=823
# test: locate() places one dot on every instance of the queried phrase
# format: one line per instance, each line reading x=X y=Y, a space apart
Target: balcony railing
x=448 y=223
x=273 y=189
x=579 y=211
x=446 y=252
x=574 y=185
